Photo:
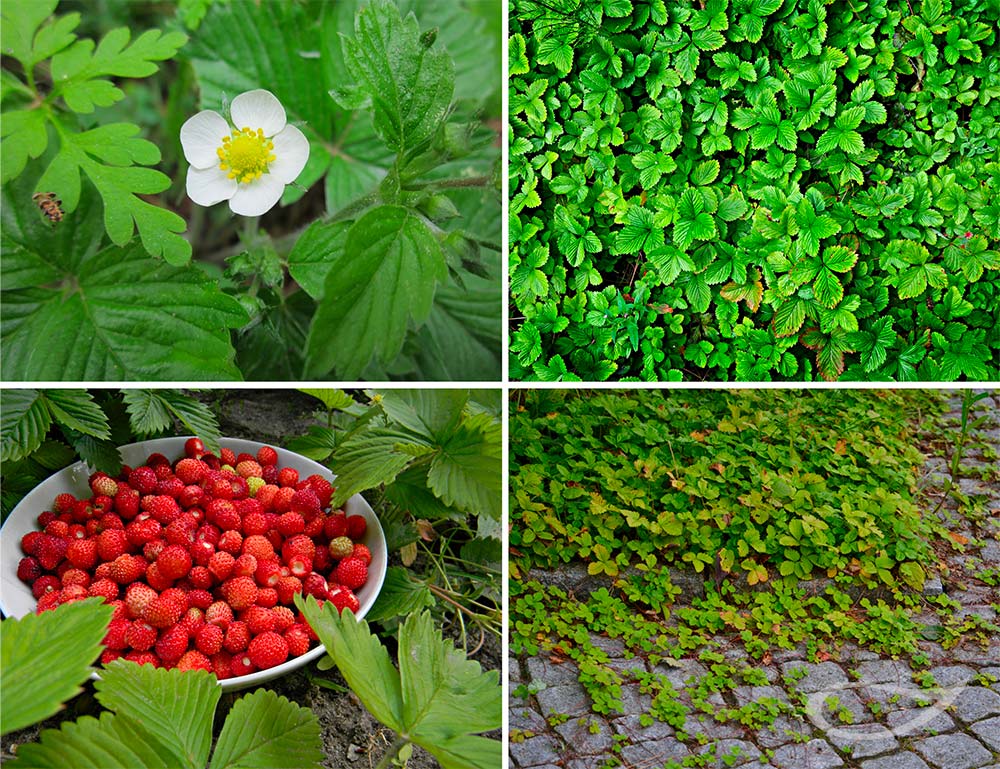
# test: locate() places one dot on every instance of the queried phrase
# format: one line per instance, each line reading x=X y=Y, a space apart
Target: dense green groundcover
x=754 y=189
x=761 y=485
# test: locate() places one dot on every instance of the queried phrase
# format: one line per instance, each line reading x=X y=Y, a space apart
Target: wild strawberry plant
x=379 y=259
x=153 y=717
x=754 y=190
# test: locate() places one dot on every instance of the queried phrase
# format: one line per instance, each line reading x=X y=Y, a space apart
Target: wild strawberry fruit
x=29 y=569
x=357 y=525
x=194 y=660
x=208 y=639
x=351 y=572
x=267 y=456
x=103 y=485
x=240 y=592
x=174 y=562
x=341 y=547
x=194 y=448
x=362 y=552
x=237 y=637
x=267 y=650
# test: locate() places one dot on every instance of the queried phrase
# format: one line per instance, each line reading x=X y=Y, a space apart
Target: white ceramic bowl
x=16 y=599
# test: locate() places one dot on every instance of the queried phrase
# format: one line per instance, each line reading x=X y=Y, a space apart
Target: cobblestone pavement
x=893 y=722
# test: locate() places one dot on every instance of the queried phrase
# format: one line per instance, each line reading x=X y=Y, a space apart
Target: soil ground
x=351 y=737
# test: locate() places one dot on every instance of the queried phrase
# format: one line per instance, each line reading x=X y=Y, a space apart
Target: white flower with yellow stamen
x=248 y=164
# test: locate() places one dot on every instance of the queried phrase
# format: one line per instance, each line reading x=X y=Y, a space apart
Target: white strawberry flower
x=248 y=163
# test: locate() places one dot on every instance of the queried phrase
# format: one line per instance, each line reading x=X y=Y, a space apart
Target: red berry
x=241 y=665
x=314 y=585
x=357 y=525
x=172 y=644
x=287 y=587
x=28 y=569
x=305 y=502
x=50 y=551
x=351 y=572
x=102 y=484
x=343 y=598
x=267 y=650
x=221 y=565
x=44 y=585
x=240 y=592
x=362 y=552
x=142 y=529
x=248 y=468
x=258 y=619
x=190 y=470
x=299 y=545
x=237 y=637
x=267 y=456
x=140 y=636
x=219 y=613
x=162 y=612
x=245 y=566
x=194 y=448
x=267 y=597
x=194 y=660
x=104 y=588
x=143 y=479
x=174 y=562
x=322 y=487
x=297 y=639
x=143 y=658
x=259 y=547
x=335 y=526
x=64 y=503
x=115 y=637
x=163 y=508
x=209 y=639
x=126 y=569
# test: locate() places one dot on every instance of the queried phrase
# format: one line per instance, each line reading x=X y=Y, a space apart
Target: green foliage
x=72 y=634
x=411 y=224
x=161 y=718
x=761 y=485
x=797 y=191
x=111 y=156
x=42 y=431
x=397 y=100
x=437 y=699
x=435 y=444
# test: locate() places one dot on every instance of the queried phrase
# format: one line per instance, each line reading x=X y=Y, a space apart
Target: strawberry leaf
x=71 y=634
x=265 y=730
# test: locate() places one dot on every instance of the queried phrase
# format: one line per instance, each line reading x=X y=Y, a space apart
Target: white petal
x=208 y=186
x=258 y=109
x=201 y=136
x=291 y=151
x=258 y=197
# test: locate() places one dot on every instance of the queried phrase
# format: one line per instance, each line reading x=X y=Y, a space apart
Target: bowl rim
x=167 y=444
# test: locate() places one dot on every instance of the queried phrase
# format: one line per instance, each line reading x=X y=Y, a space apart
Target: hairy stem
x=390 y=755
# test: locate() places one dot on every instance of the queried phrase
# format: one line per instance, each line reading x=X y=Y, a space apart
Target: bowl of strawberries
x=200 y=555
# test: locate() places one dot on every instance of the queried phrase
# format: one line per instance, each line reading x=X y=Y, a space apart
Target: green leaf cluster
x=399 y=277
x=437 y=699
x=63 y=77
x=657 y=478
x=798 y=192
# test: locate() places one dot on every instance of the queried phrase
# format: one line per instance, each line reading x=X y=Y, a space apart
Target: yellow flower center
x=245 y=154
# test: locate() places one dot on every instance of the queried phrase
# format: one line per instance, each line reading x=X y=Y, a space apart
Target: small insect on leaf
x=50 y=205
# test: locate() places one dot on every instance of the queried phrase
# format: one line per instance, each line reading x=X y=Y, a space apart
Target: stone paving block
x=527 y=720
x=613 y=647
x=785 y=729
x=953 y=751
x=824 y=716
x=977 y=655
x=540 y=669
x=819 y=677
x=700 y=723
x=582 y=740
x=884 y=671
x=815 y=754
x=893 y=696
x=634 y=701
x=901 y=760
x=748 y=752
x=536 y=751
x=952 y=675
x=625 y=667
x=989 y=732
x=570 y=700
x=513 y=671
x=681 y=671
x=862 y=740
x=654 y=752
x=929 y=721
x=632 y=728
x=976 y=703
x=781 y=656
x=747 y=694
